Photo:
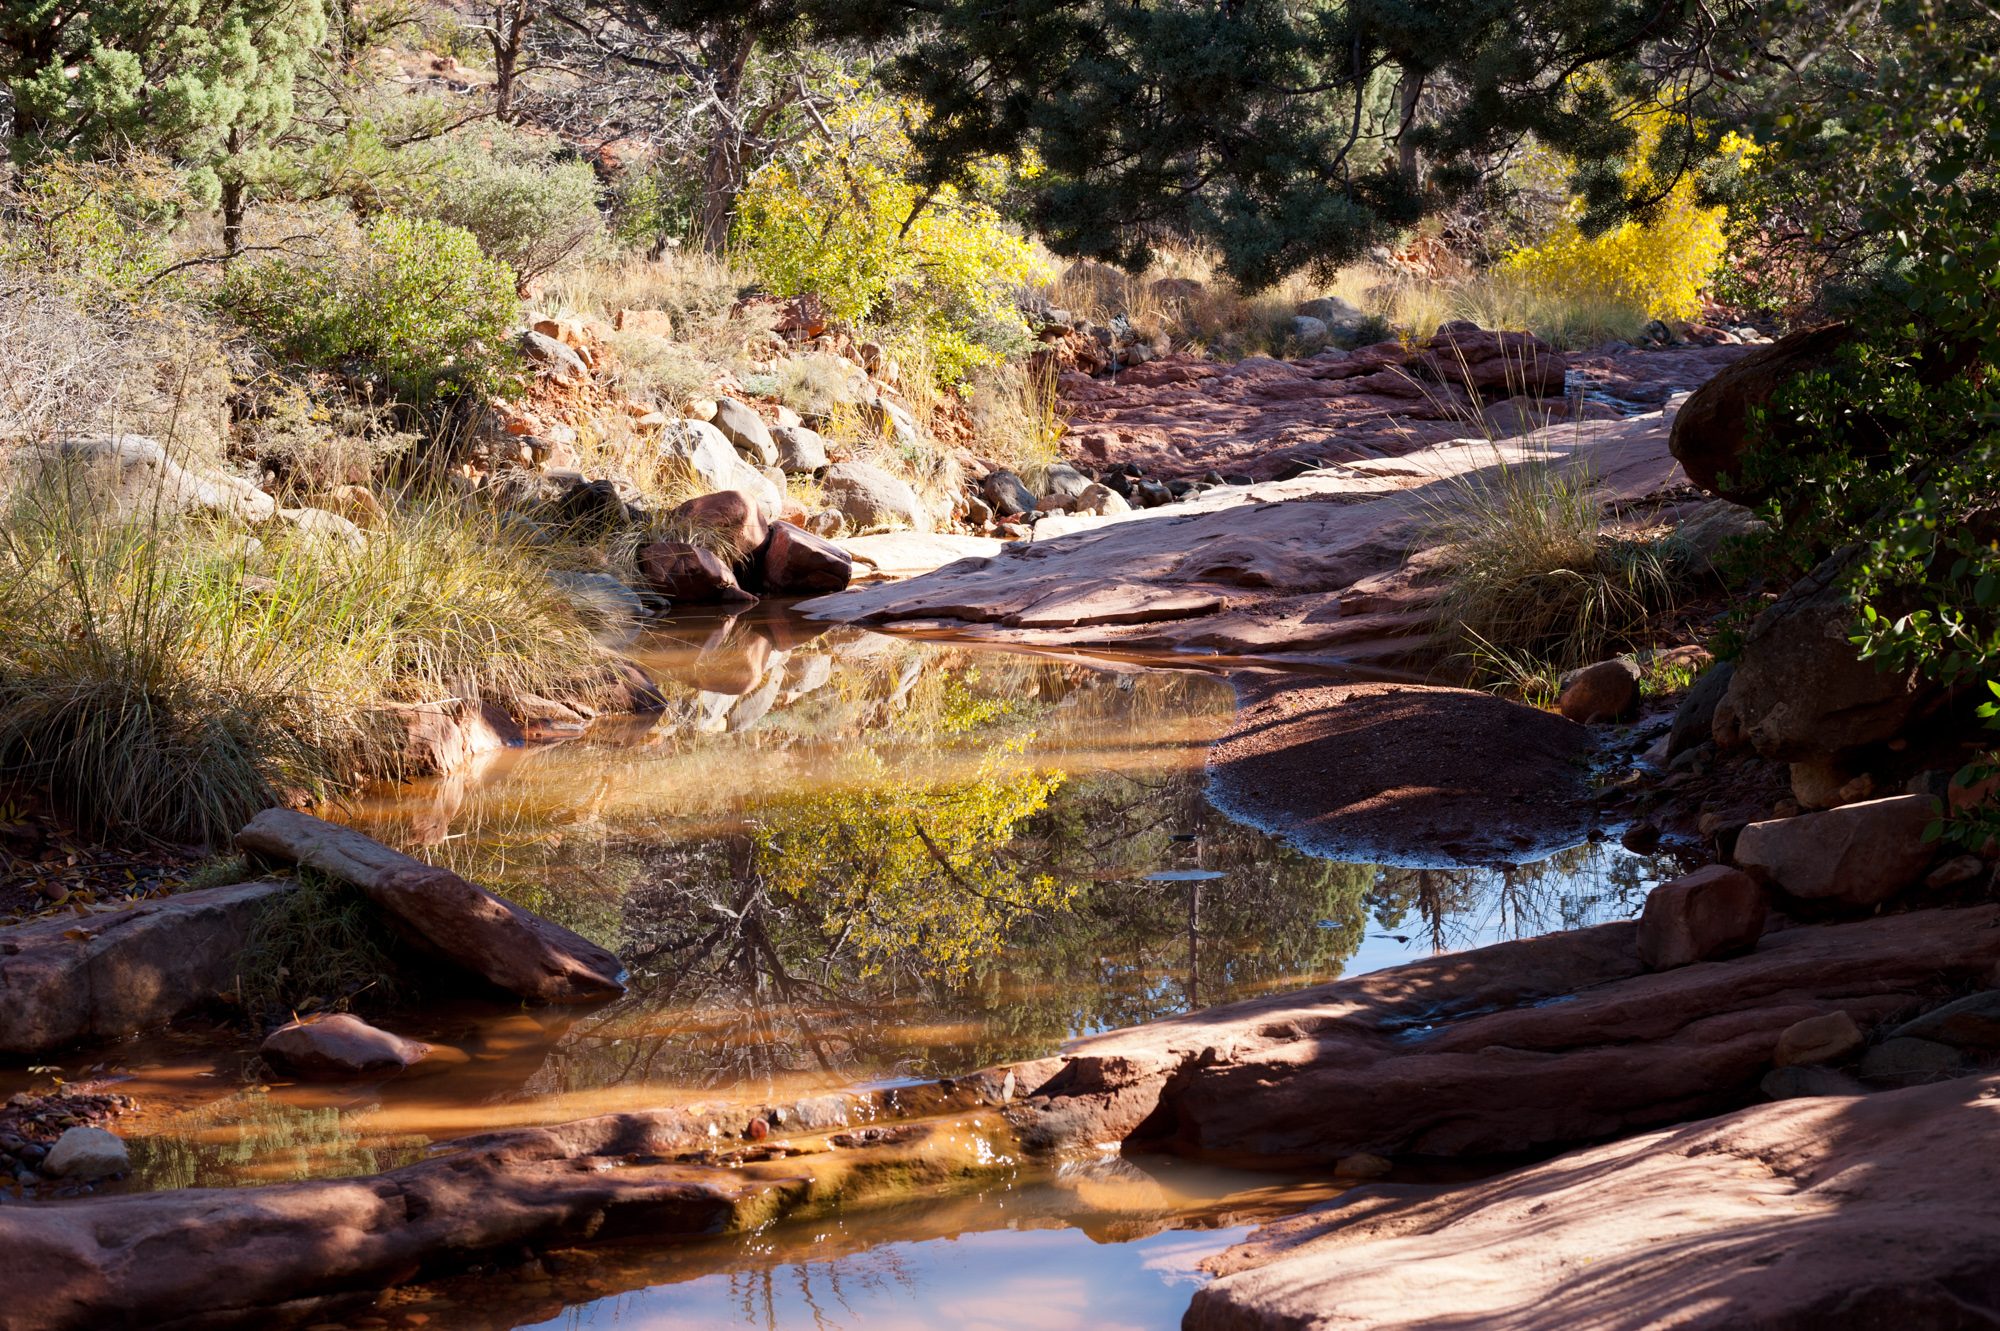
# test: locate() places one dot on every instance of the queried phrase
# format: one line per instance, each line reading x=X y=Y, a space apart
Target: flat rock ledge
x=1871 y=1211
x=1316 y=567
x=83 y=979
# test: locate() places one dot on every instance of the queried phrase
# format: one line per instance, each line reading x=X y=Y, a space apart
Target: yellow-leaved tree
x=913 y=868
x=841 y=220
x=1661 y=267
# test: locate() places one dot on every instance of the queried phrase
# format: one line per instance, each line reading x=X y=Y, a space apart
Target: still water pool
x=838 y=857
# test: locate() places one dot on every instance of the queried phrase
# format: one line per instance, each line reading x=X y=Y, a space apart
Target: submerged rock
x=339 y=1047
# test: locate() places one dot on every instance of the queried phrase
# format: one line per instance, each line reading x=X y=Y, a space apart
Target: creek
x=842 y=859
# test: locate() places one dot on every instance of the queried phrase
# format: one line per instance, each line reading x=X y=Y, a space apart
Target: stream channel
x=769 y=856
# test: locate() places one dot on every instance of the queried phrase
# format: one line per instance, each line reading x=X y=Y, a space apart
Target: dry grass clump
x=820 y=385
x=172 y=676
x=1018 y=420
x=1533 y=587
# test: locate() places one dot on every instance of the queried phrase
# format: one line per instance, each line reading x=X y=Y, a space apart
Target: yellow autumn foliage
x=842 y=221
x=913 y=868
x=1662 y=267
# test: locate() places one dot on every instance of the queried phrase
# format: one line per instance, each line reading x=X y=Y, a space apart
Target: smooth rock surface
x=729 y=518
x=1857 y=855
x=1466 y=1055
x=69 y=980
x=1971 y=1023
x=1318 y=564
x=687 y=573
x=801 y=451
x=508 y=946
x=1805 y=1215
x=133 y=476
x=718 y=466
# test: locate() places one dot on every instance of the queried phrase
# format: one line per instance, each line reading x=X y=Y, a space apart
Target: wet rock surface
x=339 y=1047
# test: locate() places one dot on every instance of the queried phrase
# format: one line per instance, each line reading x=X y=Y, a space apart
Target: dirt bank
x=1400 y=772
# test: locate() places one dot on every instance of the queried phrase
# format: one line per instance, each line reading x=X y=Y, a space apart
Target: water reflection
x=840 y=856
x=1099 y=1244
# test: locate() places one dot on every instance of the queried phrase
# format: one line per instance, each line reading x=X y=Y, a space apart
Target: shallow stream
x=843 y=858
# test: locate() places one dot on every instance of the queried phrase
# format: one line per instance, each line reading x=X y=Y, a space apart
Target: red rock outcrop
x=1796 y=1216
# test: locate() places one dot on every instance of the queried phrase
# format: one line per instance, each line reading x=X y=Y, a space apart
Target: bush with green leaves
x=1893 y=452
x=411 y=299
x=528 y=204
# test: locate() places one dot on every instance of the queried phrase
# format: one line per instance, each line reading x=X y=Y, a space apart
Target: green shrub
x=528 y=205
x=936 y=269
x=411 y=298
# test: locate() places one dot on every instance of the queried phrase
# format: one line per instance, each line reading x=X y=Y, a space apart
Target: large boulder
x=1343 y=322
x=339 y=1047
x=1856 y=855
x=801 y=451
x=729 y=521
x=1712 y=429
x=717 y=465
x=689 y=574
x=552 y=358
x=511 y=948
x=1800 y=691
x=798 y=563
x=1713 y=912
x=130 y=476
x=68 y=980
x=746 y=432
x=871 y=499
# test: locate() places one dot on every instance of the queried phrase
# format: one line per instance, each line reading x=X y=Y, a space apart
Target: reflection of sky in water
x=1006 y=1280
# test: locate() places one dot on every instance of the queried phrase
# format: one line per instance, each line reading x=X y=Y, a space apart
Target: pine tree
x=206 y=83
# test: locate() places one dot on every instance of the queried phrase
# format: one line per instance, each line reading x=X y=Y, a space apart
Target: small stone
x=1362 y=1165
x=1007 y=494
x=1906 y=1061
x=1823 y=1039
x=1958 y=869
x=758 y=1130
x=1607 y=691
x=87 y=1153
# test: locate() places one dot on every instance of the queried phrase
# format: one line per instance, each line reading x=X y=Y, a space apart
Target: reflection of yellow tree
x=917 y=868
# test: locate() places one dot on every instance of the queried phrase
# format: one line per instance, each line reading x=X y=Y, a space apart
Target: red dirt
x=1401 y=772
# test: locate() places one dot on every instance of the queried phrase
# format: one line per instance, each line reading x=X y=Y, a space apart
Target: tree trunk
x=233 y=205
x=1407 y=160
x=722 y=170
